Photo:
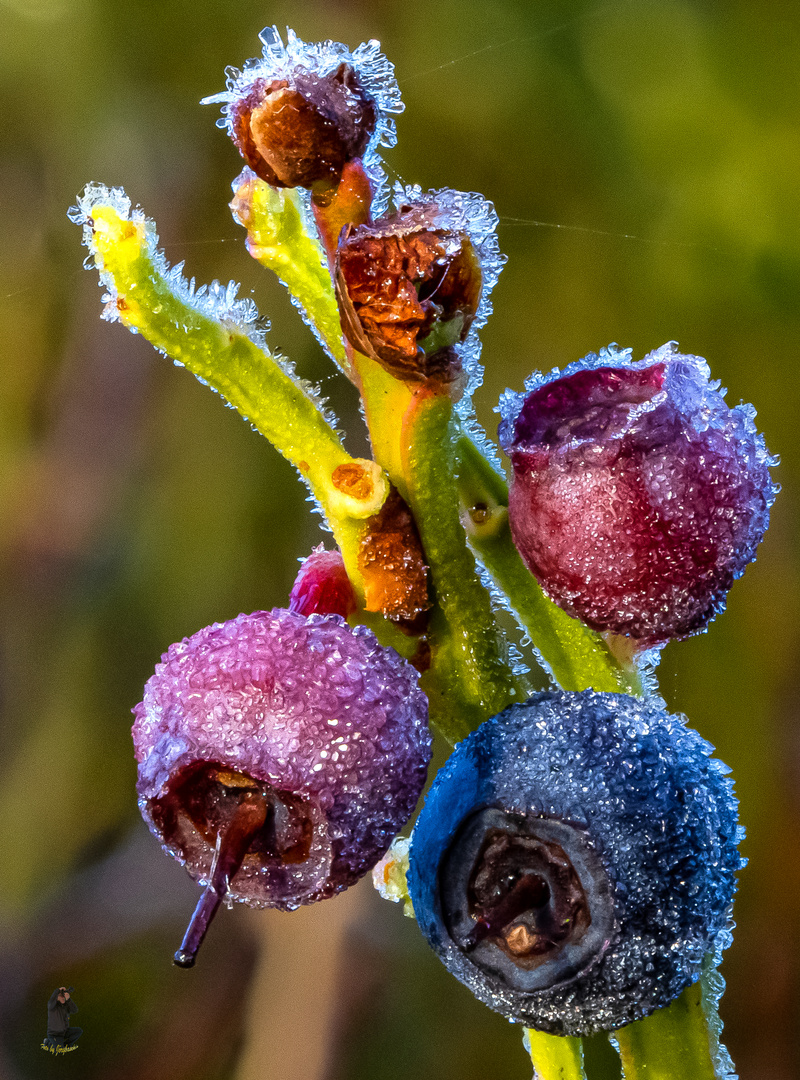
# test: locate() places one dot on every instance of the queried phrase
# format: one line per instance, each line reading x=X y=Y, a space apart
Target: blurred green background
x=643 y=158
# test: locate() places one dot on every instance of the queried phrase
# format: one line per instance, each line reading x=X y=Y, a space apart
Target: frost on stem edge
x=219 y=339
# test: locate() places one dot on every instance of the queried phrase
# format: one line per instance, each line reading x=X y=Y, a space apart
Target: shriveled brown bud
x=301 y=133
x=408 y=288
x=303 y=111
x=392 y=563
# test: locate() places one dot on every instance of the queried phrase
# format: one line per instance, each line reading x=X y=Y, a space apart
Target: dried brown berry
x=301 y=134
x=300 y=113
x=408 y=288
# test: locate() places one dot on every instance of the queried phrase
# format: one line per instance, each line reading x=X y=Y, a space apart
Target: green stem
x=470 y=679
x=555 y=1057
x=277 y=238
x=578 y=658
x=222 y=354
x=386 y=401
x=675 y=1043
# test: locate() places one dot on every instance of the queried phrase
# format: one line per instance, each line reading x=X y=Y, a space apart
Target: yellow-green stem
x=555 y=1057
x=674 y=1043
x=223 y=355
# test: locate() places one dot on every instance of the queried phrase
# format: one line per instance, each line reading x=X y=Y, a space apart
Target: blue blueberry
x=576 y=859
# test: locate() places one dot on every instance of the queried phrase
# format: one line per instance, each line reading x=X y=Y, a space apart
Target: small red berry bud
x=638 y=496
x=576 y=859
x=322 y=586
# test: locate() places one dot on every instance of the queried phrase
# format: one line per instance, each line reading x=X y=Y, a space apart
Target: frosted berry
x=278 y=757
x=322 y=586
x=303 y=111
x=638 y=495
x=575 y=860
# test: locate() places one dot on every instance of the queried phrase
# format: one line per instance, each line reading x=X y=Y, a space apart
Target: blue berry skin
x=633 y=799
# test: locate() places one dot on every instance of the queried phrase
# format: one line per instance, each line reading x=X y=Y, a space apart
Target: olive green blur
x=644 y=158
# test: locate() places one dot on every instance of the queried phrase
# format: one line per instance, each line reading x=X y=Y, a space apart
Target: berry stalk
x=470 y=678
x=555 y=1057
x=578 y=658
x=384 y=398
x=672 y=1044
x=219 y=352
x=278 y=239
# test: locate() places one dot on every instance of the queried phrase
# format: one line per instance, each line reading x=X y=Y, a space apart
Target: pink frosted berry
x=278 y=757
x=322 y=586
x=638 y=496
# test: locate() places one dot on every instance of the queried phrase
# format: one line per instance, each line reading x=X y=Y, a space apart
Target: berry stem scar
x=229 y=853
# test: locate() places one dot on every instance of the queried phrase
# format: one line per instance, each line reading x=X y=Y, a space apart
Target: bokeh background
x=643 y=157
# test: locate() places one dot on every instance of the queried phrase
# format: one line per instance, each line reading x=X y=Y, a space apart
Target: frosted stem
x=673 y=1044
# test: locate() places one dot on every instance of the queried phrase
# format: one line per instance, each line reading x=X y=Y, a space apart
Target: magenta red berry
x=278 y=757
x=638 y=495
x=322 y=586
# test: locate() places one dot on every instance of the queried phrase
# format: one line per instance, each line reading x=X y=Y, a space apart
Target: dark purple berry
x=638 y=496
x=575 y=860
x=278 y=757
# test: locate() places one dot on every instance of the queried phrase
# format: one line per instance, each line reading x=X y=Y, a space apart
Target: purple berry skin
x=638 y=496
x=329 y=726
x=576 y=860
